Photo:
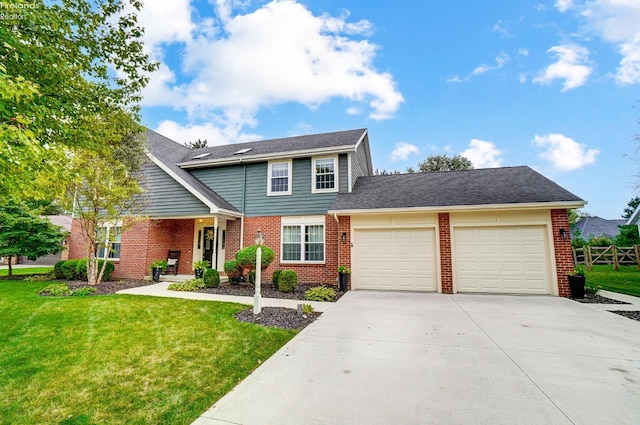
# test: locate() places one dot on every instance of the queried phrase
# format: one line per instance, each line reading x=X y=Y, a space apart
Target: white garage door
x=501 y=259
x=400 y=260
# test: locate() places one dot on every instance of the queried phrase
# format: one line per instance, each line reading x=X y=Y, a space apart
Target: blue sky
x=549 y=84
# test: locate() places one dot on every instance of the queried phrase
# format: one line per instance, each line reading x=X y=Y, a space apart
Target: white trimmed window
x=103 y=236
x=303 y=240
x=279 y=178
x=324 y=174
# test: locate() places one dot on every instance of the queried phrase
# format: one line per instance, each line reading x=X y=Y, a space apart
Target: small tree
x=25 y=234
x=631 y=207
x=199 y=144
x=445 y=163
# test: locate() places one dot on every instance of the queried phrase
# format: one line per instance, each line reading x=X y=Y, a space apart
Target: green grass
x=26 y=270
x=120 y=359
x=626 y=280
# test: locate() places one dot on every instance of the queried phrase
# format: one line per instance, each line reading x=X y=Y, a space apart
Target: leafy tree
x=384 y=172
x=25 y=234
x=444 y=163
x=71 y=73
x=631 y=207
x=106 y=190
x=628 y=235
x=197 y=144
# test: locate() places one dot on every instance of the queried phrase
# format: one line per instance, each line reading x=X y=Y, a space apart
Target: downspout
x=244 y=195
x=335 y=216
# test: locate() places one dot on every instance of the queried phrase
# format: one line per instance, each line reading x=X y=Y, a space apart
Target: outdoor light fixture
x=259 y=238
x=563 y=234
x=344 y=236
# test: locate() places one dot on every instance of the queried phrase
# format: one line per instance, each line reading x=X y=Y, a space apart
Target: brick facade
x=446 y=268
x=344 y=250
x=326 y=273
x=562 y=250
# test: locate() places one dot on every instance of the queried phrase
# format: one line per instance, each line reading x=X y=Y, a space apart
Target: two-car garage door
x=498 y=259
x=506 y=259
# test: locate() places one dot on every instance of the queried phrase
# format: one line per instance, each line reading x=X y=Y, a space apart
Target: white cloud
x=617 y=22
x=215 y=135
x=571 y=66
x=403 y=150
x=501 y=60
x=523 y=52
x=454 y=79
x=483 y=154
x=241 y=62
x=497 y=27
x=563 y=152
x=522 y=77
x=564 y=5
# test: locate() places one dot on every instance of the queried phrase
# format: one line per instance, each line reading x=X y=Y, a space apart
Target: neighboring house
x=635 y=218
x=596 y=226
x=63 y=221
x=315 y=198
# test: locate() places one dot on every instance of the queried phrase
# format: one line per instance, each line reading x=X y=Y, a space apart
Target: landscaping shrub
x=57 y=269
x=276 y=276
x=83 y=292
x=188 y=285
x=38 y=277
x=247 y=257
x=287 y=281
x=211 y=278
x=56 y=289
x=68 y=269
x=320 y=293
x=307 y=309
x=251 y=277
x=233 y=270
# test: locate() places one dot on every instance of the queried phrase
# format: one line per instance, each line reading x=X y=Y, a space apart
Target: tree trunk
x=10 y=272
x=92 y=272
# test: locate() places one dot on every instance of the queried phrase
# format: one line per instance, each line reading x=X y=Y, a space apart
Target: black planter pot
x=344 y=281
x=576 y=285
x=199 y=273
x=156 y=272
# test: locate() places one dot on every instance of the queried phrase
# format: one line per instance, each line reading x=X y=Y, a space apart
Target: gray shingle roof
x=508 y=185
x=169 y=153
x=596 y=226
x=335 y=140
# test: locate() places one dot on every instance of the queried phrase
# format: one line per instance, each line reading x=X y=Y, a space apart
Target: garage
x=501 y=259
x=395 y=259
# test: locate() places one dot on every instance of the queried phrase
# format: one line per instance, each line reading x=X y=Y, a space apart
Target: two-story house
x=317 y=202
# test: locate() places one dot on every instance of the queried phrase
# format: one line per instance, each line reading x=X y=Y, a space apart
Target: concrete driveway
x=406 y=358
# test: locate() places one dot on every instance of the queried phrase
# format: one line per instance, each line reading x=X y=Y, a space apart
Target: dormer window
x=324 y=174
x=279 y=178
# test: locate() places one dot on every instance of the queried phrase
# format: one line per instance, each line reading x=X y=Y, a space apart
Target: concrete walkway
x=160 y=290
x=407 y=358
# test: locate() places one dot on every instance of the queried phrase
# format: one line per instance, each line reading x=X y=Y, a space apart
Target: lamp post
x=257 y=298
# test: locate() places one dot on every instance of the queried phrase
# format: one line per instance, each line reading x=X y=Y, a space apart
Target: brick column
x=562 y=250
x=344 y=248
x=444 y=230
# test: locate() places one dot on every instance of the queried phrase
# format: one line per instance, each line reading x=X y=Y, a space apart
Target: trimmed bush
x=247 y=257
x=57 y=269
x=232 y=269
x=276 y=276
x=320 y=293
x=287 y=281
x=68 y=269
x=188 y=285
x=211 y=278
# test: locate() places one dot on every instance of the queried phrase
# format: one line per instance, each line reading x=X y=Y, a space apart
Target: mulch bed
x=267 y=290
x=597 y=299
x=285 y=318
x=634 y=315
x=110 y=287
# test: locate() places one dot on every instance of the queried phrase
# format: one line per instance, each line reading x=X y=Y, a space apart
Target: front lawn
x=626 y=280
x=26 y=270
x=118 y=359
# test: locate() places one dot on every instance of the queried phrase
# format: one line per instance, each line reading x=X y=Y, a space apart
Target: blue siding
x=359 y=162
x=167 y=198
x=227 y=182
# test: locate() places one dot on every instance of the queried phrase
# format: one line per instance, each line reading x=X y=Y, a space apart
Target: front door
x=208 y=250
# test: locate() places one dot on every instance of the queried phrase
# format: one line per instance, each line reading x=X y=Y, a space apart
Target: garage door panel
x=509 y=259
x=405 y=259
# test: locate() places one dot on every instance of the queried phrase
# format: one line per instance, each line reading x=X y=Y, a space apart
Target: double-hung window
x=279 y=178
x=107 y=234
x=303 y=240
x=324 y=174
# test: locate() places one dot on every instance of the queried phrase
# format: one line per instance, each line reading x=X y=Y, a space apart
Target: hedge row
x=77 y=269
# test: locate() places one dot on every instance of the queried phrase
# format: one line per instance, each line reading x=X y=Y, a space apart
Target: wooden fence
x=614 y=255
